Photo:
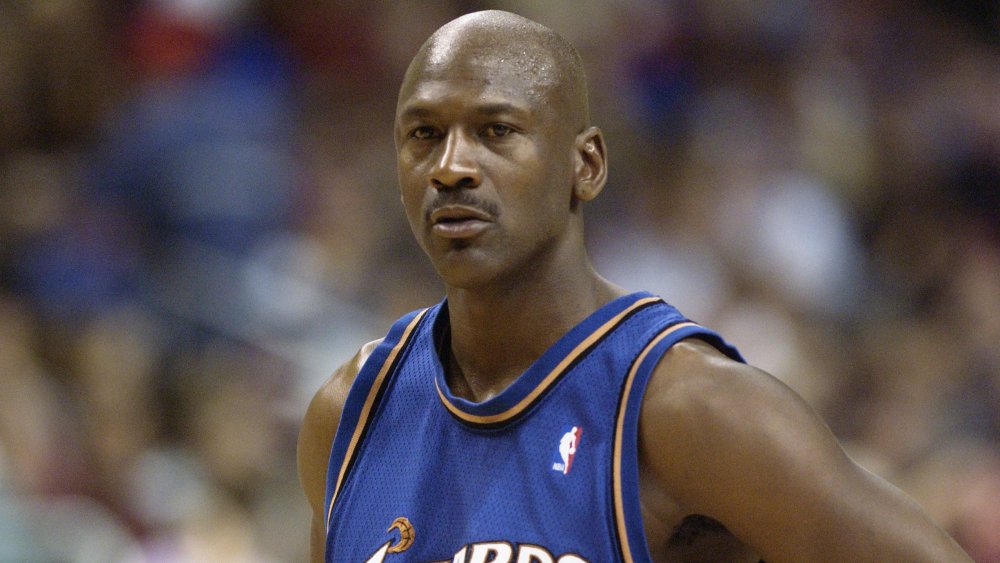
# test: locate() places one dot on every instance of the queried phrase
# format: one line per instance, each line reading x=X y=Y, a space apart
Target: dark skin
x=495 y=163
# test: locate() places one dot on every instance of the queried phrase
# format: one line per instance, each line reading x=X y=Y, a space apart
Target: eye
x=497 y=130
x=423 y=133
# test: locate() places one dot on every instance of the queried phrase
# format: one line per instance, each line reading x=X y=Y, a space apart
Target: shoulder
x=320 y=424
x=695 y=379
x=329 y=399
x=726 y=423
x=729 y=441
x=694 y=383
x=333 y=392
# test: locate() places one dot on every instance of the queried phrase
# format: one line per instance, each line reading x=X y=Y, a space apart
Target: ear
x=591 y=171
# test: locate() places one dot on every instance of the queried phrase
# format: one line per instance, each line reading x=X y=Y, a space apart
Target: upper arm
x=729 y=441
x=319 y=426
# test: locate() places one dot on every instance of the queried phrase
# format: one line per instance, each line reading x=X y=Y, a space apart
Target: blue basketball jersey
x=544 y=472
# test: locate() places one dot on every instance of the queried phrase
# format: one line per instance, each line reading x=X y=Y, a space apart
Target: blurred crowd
x=199 y=221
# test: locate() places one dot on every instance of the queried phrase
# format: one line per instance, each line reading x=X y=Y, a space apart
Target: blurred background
x=199 y=221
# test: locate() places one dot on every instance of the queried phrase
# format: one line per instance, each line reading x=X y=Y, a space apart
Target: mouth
x=459 y=221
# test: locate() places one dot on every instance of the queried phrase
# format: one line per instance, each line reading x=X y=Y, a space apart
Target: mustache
x=463 y=198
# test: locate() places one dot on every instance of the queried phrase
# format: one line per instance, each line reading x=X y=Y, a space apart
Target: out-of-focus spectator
x=199 y=219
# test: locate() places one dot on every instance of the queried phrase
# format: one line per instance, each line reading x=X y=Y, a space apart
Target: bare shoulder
x=695 y=383
x=729 y=441
x=695 y=387
x=720 y=418
x=330 y=398
x=320 y=425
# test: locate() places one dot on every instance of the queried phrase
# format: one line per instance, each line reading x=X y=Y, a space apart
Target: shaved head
x=495 y=151
x=527 y=54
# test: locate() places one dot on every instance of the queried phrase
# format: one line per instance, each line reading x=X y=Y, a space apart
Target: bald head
x=507 y=47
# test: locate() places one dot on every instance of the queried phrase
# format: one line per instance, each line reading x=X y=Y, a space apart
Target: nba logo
x=567 y=449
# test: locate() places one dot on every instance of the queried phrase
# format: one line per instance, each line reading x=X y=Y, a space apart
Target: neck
x=498 y=332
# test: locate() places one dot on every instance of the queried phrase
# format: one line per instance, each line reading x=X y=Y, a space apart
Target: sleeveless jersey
x=544 y=472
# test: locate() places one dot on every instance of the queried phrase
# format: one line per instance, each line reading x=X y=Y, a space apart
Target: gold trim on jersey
x=367 y=407
x=553 y=375
x=619 y=431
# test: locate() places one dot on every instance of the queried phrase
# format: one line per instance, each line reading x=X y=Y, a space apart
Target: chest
x=543 y=471
x=542 y=477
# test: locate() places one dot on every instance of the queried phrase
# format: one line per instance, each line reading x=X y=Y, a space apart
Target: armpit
x=700 y=538
x=693 y=527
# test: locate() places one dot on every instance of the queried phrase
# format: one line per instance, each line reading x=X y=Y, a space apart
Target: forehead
x=469 y=96
x=475 y=73
x=519 y=58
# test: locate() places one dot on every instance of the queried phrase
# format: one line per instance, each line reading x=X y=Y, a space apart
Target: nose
x=456 y=166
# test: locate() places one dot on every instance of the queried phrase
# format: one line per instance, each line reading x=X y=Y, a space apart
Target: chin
x=465 y=268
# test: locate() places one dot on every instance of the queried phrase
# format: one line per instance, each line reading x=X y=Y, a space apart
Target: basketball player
x=542 y=414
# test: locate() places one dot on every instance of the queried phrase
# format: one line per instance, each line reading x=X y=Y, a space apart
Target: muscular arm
x=316 y=437
x=728 y=441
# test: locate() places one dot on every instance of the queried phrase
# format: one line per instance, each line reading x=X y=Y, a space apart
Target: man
x=541 y=413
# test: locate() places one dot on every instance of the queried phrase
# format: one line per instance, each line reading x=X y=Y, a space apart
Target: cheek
x=414 y=211
x=413 y=208
x=553 y=190
x=539 y=213
x=410 y=192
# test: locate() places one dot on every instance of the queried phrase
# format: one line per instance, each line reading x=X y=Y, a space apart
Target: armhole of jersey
x=625 y=472
x=362 y=402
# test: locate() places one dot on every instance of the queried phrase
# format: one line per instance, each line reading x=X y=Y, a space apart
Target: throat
x=485 y=368
x=475 y=386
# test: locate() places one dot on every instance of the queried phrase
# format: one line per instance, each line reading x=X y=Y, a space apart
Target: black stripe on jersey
x=554 y=381
x=402 y=350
